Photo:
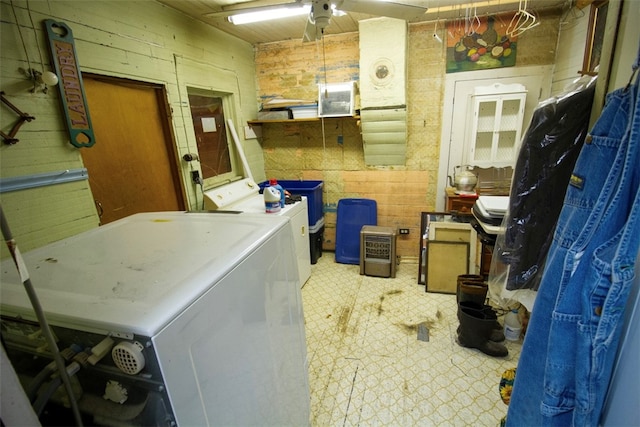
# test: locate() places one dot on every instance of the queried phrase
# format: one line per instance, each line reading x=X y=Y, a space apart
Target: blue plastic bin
x=311 y=189
x=352 y=215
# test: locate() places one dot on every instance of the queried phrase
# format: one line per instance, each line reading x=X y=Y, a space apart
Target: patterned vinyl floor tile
x=383 y=352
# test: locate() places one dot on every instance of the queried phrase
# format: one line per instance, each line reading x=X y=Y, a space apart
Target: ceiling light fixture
x=270 y=14
x=267 y=15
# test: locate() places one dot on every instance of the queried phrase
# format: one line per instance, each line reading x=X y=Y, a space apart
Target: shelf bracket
x=24 y=117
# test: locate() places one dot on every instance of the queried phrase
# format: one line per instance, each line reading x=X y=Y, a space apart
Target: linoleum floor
x=383 y=352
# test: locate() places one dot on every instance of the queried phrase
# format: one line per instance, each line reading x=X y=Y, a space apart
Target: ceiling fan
x=322 y=11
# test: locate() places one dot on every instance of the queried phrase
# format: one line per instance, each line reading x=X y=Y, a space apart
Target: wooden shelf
x=306 y=120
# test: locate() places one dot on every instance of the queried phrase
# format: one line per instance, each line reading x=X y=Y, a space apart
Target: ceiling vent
x=383 y=110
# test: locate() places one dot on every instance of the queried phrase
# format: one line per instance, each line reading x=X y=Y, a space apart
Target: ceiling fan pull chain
x=324 y=60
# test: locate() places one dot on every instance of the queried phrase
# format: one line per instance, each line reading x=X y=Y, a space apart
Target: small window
x=209 y=124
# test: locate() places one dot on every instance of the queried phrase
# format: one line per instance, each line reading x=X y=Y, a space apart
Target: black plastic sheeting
x=548 y=154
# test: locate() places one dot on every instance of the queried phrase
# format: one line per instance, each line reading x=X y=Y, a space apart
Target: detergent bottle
x=274 y=183
x=271 y=200
x=512 y=326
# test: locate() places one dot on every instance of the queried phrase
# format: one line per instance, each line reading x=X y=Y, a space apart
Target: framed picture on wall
x=486 y=46
x=595 y=37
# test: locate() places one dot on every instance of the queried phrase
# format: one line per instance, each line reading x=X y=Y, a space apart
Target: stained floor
x=383 y=352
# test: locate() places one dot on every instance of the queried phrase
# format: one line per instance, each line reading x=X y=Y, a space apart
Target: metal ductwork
x=383 y=109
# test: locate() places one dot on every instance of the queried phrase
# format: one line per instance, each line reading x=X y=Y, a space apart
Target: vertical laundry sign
x=71 y=88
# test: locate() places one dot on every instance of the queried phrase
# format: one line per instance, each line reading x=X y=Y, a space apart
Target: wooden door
x=132 y=166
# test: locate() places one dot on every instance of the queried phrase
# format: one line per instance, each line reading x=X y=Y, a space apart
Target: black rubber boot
x=475 y=331
x=464 y=278
x=472 y=290
x=497 y=335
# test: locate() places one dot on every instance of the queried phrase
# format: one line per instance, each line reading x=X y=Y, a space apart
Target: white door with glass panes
x=495 y=125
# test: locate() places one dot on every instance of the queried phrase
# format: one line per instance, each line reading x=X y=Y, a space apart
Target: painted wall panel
x=309 y=151
x=135 y=40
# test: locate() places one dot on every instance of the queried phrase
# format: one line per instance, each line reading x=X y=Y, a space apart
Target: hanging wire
x=459 y=23
x=572 y=15
x=435 y=27
x=24 y=46
x=326 y=92
x=35 y=35
x=324 y=61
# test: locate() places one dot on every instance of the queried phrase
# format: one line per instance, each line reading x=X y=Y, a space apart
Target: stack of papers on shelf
x=284 y=108
x=280 y=103
x=274 y=115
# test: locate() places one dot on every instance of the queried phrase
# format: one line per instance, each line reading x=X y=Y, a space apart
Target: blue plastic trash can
x=352 y=215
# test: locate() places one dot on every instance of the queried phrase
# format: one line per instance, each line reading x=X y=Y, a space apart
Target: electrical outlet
x=404 y=231
x=195 y=177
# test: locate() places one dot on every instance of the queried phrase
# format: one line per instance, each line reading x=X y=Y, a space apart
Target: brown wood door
x=132 y=166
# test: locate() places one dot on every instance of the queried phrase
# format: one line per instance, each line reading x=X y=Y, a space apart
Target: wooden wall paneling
x=136 y=40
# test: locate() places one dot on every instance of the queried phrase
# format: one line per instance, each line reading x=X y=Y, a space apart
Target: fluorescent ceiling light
x=267 y=15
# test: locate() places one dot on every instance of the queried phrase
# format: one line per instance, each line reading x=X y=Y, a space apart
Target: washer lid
x=255 y=205
x=134 y=275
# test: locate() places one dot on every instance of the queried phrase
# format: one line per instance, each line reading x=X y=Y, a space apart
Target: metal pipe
x=35 y=303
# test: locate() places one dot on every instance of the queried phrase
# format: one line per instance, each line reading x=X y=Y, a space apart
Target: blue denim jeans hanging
x=573 y=333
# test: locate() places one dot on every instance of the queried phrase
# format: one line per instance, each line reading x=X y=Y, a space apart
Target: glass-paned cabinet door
x=495 y=125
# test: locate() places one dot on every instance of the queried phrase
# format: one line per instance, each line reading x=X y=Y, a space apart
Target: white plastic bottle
x=271 y=200
x=512 y=326
x=274 y=183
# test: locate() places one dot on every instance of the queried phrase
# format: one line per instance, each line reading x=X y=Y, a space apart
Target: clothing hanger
x=515 y=20
x=522 y=20
x=532 y=21
x=475 y=22
x=466 y=21
x=498 y=18
x=459 y=23
x=578 y=85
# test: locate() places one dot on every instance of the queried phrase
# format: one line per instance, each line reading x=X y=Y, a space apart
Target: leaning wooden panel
x=445 y=262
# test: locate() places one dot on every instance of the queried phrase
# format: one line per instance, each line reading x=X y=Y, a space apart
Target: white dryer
x=244 y=197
